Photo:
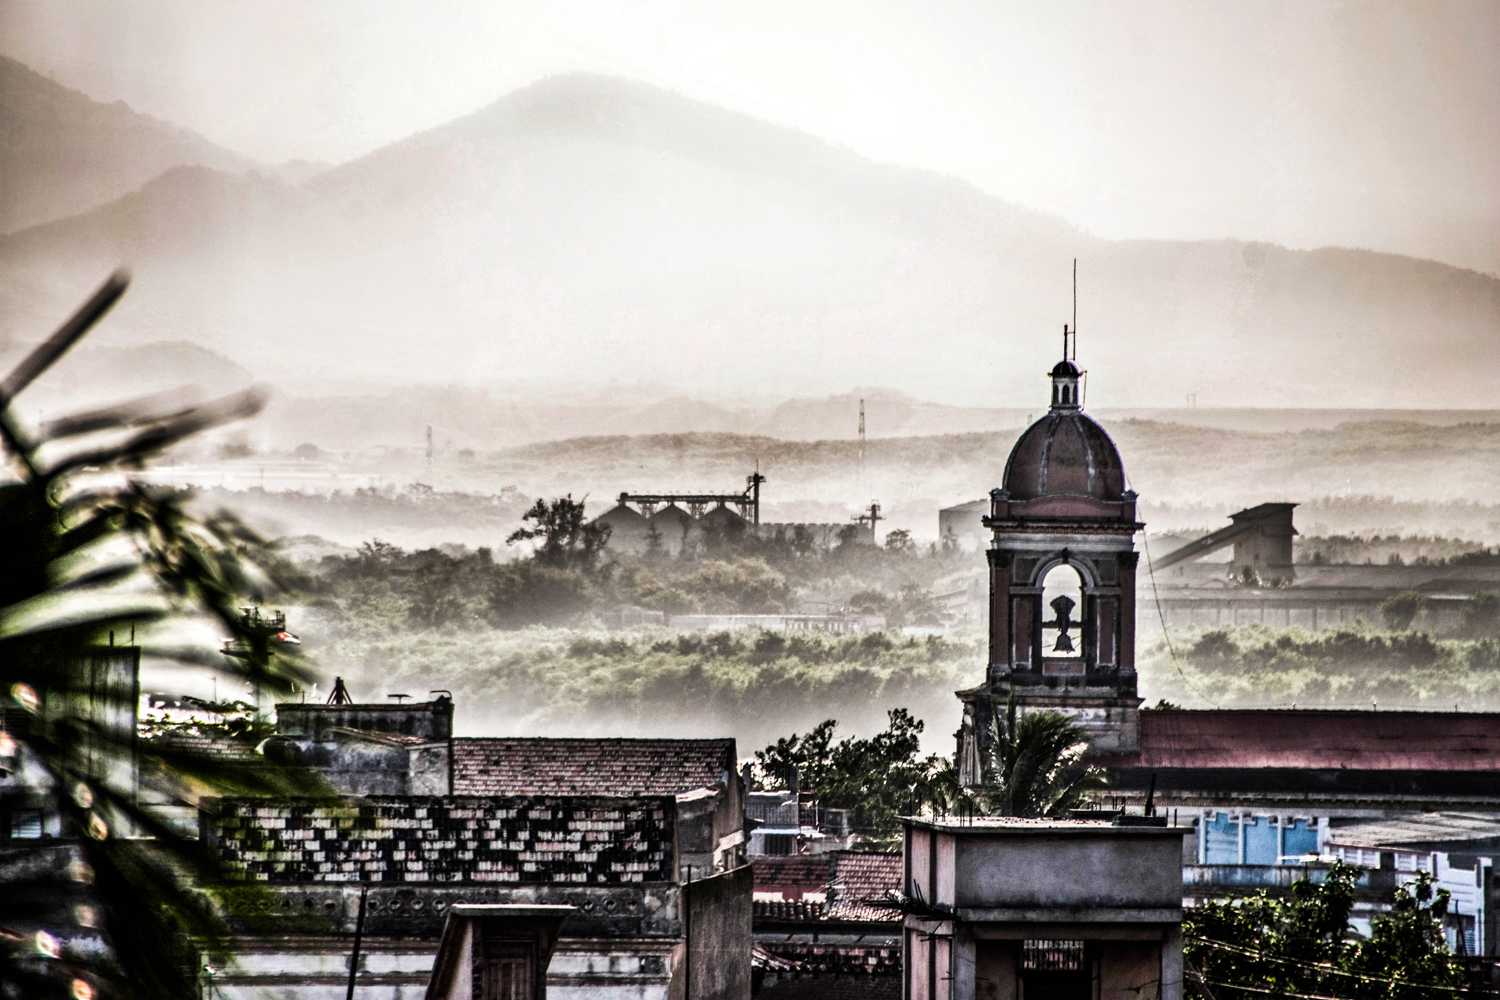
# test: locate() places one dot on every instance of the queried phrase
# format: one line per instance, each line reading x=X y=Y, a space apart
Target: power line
x=1162 y=617
x=1322 y=967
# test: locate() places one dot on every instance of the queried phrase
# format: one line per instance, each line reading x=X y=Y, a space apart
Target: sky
x=1305 y=123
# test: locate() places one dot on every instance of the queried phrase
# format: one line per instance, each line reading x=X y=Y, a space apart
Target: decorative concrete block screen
x=451 y=839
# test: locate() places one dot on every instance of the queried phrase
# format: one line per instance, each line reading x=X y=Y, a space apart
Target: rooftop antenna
x=1075 y=311
x=340 y=695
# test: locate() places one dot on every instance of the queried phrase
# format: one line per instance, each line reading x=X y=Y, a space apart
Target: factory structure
x=668 y=523
x=1263 y=584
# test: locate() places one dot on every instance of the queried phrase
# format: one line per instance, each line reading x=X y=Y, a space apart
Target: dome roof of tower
x=1065 y=453
x=1065 y=369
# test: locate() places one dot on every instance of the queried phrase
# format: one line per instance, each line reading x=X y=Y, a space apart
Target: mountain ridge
x=594 y=226
x=65 y=152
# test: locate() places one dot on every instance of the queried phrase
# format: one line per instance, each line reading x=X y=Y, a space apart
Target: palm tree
x=98 y=898
x=1035 y=765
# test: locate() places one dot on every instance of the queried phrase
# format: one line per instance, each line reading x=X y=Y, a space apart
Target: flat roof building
x=1005 y=908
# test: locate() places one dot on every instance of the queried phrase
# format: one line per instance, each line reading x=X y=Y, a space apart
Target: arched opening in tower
x=1062 y=613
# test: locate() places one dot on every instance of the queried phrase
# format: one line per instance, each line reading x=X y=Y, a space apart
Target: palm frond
x=112 y=896
x=1036 y=765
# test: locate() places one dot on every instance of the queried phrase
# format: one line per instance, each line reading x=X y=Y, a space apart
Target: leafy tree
x=376 y=558
x=82 y=555
x=900 y=541
x=433 y=594
x=879 y=779
x=1035 y=765
x=567 y=541
x=1482 y=616
x=1400 y=610
x=745 y=586
x=803 y=542
x=530 y=593
x=913 y=604
x=1407 y=946
x=1301 y=944
x=851 y=535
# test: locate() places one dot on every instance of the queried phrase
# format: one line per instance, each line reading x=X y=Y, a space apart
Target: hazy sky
x=1373 y=124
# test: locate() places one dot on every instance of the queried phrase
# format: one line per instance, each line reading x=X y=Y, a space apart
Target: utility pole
x=862 y=444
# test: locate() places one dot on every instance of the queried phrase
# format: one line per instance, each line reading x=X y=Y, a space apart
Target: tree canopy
x=878 y=779
x=1302 y=944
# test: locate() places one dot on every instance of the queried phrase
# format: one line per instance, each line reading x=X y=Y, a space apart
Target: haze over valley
x=599 y=281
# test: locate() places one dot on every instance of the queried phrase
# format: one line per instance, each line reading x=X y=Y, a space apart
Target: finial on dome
x=1065 y=379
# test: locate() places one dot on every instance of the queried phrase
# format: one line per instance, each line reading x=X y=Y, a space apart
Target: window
x=1260 y=840
x=1062 y=611
x=1300 y=837
x=1221 y=840
x=779 y=843
x=1052 y=956
x=26 y=824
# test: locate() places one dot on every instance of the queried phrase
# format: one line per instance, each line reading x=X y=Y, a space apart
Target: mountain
x=64 y=153
x=587 y=229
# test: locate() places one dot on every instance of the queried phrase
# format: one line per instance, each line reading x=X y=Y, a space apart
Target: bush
x=746 y=586
x=527 y=593
x=1482 y=616
x=1399 y=611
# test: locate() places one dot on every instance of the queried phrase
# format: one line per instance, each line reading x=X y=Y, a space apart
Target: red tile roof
x=783 y=910
x=617 y=767
x=860 y=878
x=222 y=749
x=853 y=879
x=808 y=872
x=404 y=739
x=1315 y=739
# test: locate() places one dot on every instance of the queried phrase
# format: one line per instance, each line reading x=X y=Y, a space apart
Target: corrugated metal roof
x=1315 y=739
x=1420 y=831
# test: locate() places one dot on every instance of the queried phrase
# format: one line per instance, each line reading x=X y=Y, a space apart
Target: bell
x=1064 y=644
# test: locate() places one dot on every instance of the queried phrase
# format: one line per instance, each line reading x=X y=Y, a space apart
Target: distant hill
x=63 y=153
x=586 y=229
x=92 y=374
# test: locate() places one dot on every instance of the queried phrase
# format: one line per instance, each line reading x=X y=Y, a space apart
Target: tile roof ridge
x=595 y=739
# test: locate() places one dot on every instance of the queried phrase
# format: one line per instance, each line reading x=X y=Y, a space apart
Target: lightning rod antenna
x=1075 y=308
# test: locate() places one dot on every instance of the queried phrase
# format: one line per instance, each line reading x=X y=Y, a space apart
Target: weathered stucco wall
x=1055 y=871
x=718 y=962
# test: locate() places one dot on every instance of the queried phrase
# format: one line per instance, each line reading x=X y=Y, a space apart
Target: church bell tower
x=1062 y=565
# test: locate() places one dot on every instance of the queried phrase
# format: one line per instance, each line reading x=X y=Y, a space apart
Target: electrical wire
x=1162 y=617
x=1321 y=967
